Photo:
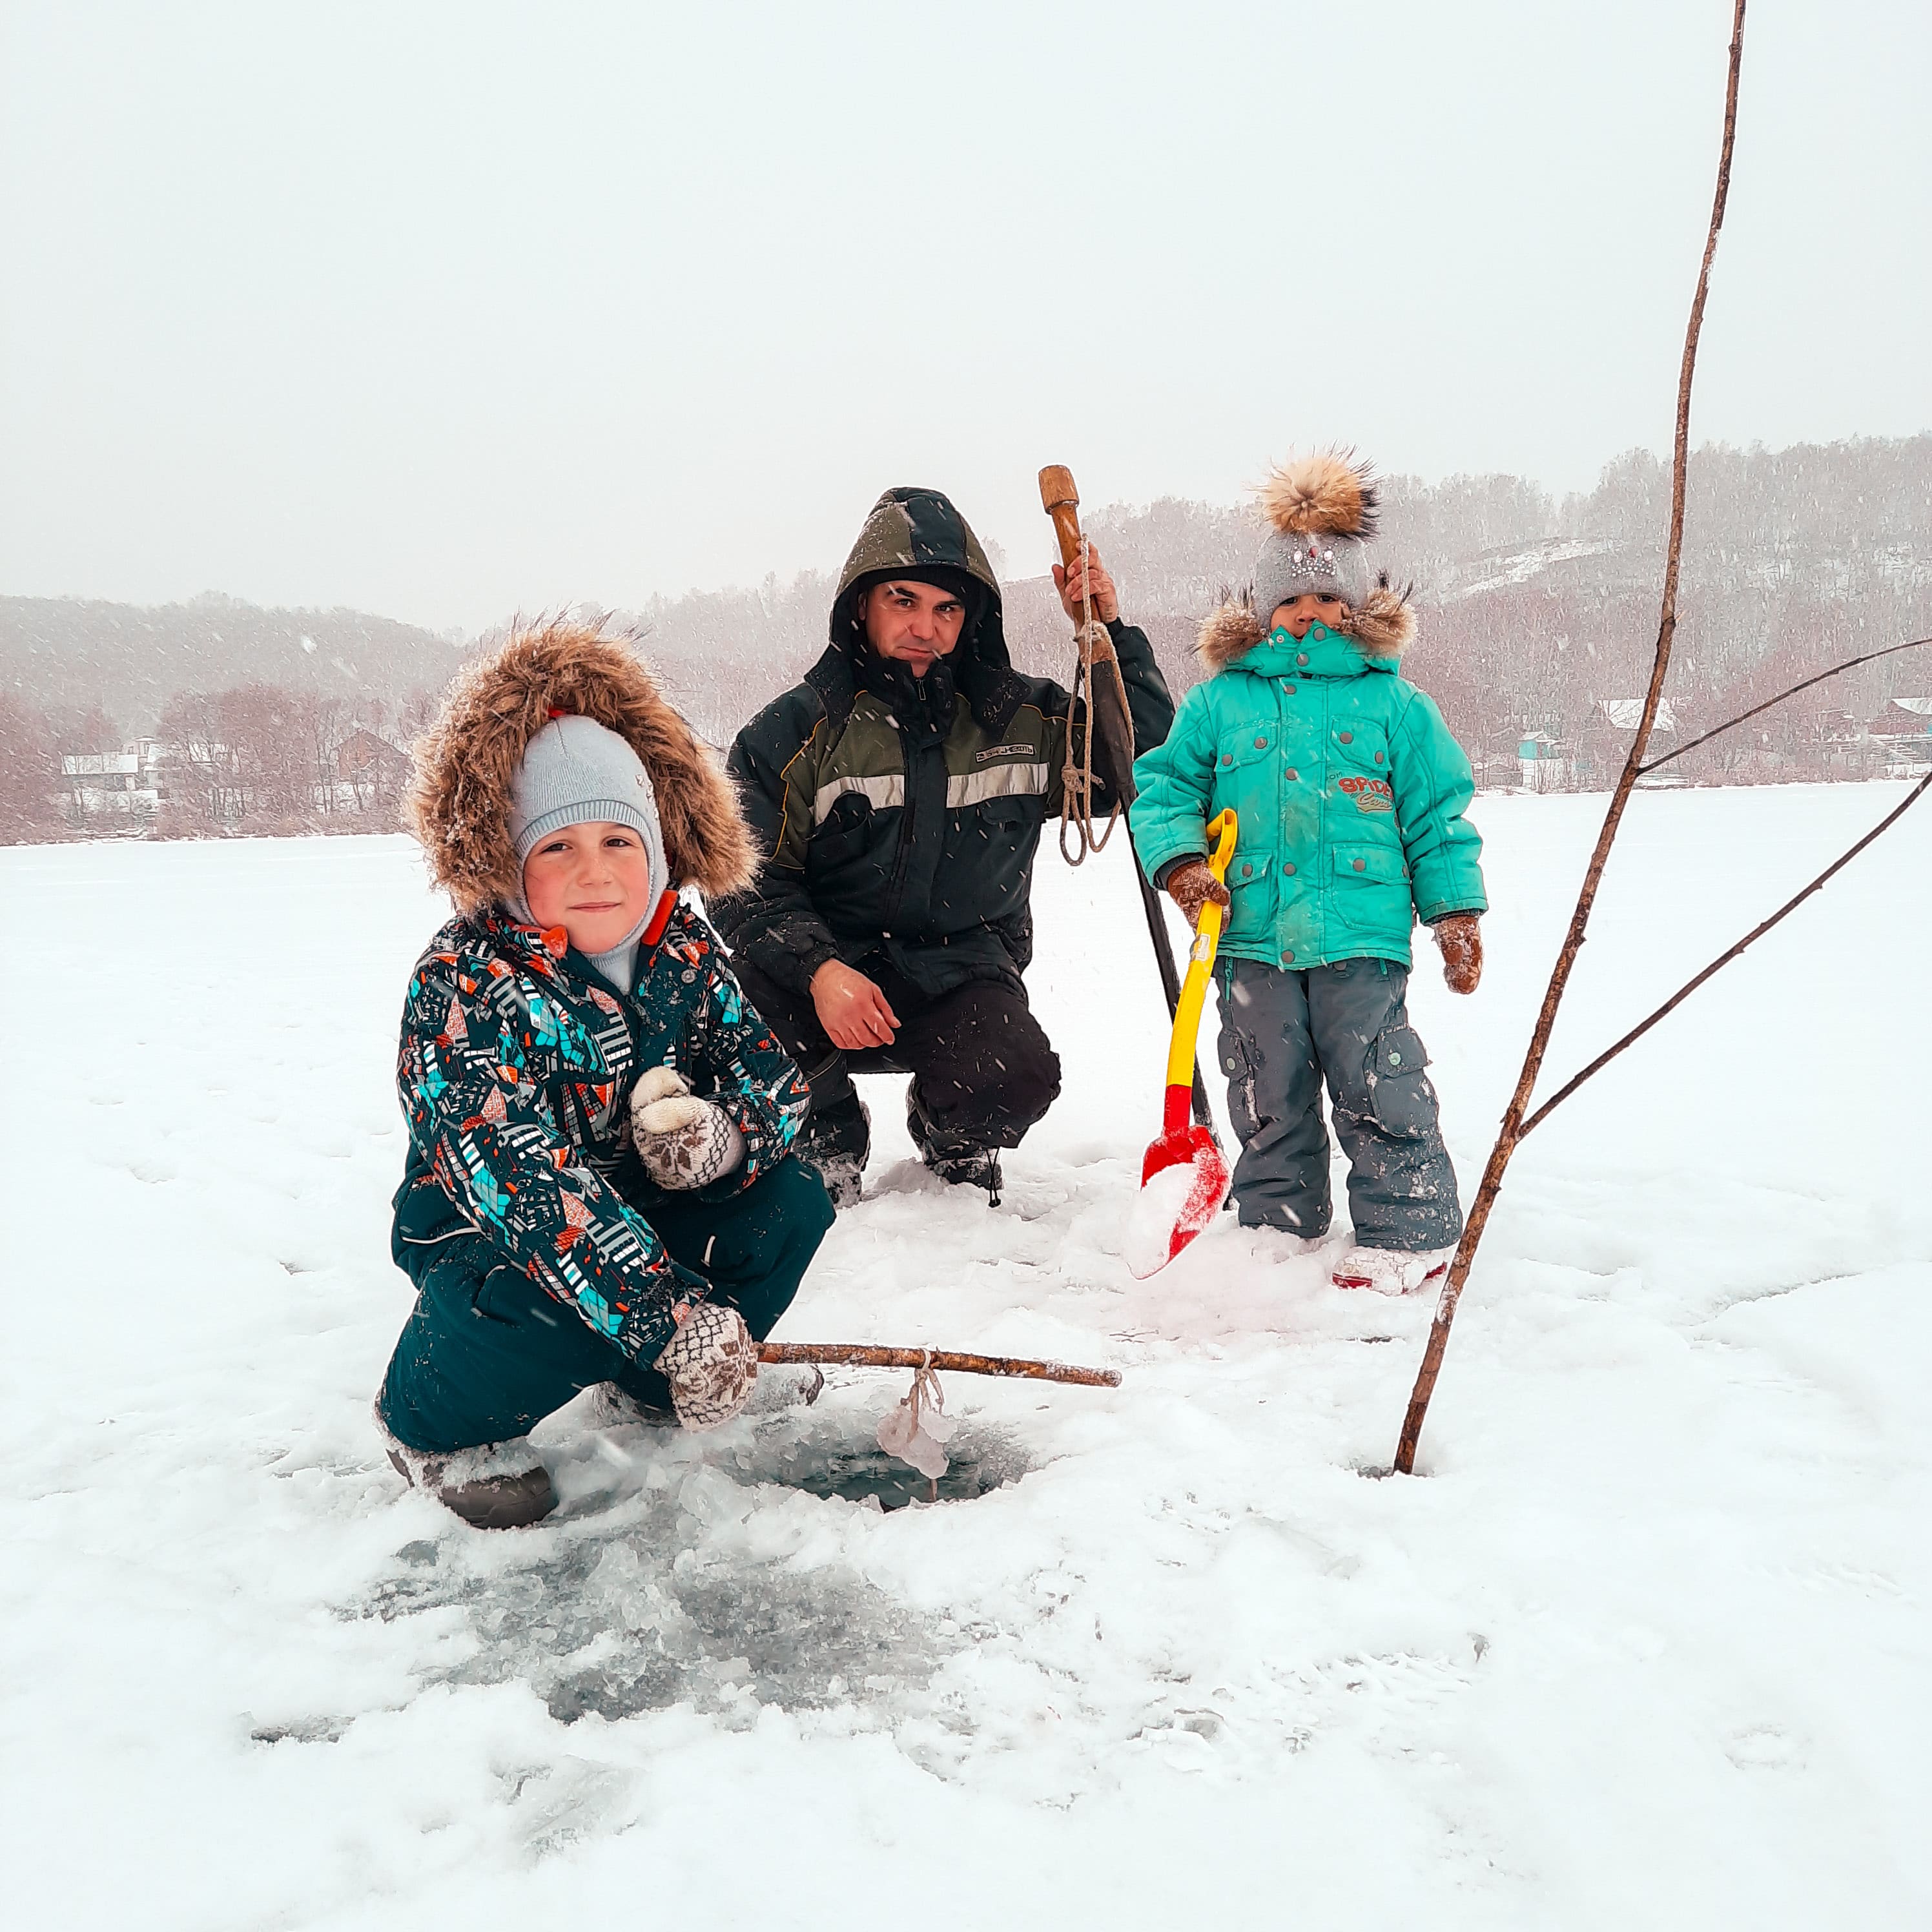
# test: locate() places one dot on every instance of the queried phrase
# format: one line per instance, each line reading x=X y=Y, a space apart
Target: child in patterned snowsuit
x=1350 y=793
x=599 y=1192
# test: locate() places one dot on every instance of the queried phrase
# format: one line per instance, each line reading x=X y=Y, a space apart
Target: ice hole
x=860 y=1470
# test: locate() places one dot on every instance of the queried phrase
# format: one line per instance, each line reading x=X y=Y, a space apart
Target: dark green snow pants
x=487 y=1354
x=1283 y=1034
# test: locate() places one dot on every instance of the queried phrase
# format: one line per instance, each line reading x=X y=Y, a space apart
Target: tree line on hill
x=1538 y=621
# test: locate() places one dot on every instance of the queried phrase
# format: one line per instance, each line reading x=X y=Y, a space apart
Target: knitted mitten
x=1462 y=944
x=1190 y=885
x=683 y=1141
x=711 y=1363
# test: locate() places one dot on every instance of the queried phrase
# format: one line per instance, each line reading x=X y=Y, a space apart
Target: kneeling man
x=897 y=794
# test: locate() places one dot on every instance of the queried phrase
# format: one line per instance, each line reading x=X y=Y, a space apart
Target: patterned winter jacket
x=515 y=1069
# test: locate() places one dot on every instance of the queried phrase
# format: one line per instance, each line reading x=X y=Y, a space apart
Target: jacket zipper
x=902 y=855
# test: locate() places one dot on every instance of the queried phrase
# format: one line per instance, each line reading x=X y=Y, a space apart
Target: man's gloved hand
x=1461 y=945
x=711 y=1363
x=1190 y=885
x=684 y=1142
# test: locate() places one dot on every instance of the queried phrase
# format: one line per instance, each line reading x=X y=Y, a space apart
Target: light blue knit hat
x=576 y=771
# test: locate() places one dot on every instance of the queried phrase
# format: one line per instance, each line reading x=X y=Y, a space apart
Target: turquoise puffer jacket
x=1350 y=790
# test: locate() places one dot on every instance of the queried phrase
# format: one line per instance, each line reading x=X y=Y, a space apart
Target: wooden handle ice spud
x=1062 y=503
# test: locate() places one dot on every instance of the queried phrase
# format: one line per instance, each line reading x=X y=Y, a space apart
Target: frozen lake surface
x=1646 y=1644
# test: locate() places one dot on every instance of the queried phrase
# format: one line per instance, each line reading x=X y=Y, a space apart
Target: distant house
x=1607 y=736
x=362 y=755
x=1545 y=762
x=1626 y=714
x=1904 y=732
x=113 y=784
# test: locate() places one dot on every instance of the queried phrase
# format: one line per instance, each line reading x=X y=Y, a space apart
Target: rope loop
x=1077 y=838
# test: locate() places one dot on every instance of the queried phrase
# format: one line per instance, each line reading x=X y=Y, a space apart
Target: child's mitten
x=1461 y=945
x=1190 y=885
x=711 y=1363
x=683 y=1141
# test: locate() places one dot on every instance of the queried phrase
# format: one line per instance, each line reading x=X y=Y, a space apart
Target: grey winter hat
x=1324 y=565
x=576 y=771
x=1323 y=509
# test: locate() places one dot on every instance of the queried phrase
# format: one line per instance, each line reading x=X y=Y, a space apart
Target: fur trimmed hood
x=458 y=804
x=1384 y=627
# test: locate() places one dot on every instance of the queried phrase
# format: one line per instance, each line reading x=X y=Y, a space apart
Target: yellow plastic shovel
x=1168 y=1215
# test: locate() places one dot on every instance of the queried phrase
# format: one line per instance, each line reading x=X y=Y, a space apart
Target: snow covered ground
x=1646 y=1644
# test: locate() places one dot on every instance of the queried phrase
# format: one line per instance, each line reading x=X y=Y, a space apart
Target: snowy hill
x=1645 y=1645
x=1534 y=608
x=67 y=653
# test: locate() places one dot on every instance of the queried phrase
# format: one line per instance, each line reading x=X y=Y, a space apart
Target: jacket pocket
x=1241 y=1062
x=1399 y=1091
x=1369 y=890
x=1251 y=885
x=1373 y=864
x=1359 y=744
x=848 y=837
x=1247 y=744
x=501 y=1295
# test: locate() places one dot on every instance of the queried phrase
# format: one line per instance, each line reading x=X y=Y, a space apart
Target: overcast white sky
x=445 y=311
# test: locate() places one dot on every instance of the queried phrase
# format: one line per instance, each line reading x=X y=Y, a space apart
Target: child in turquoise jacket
x=1351 y=793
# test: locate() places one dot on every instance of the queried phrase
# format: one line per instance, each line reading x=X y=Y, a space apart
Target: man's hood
x=909 y=530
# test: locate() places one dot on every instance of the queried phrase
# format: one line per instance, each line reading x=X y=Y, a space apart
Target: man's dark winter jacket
x=899 y=817
x=516 y=1066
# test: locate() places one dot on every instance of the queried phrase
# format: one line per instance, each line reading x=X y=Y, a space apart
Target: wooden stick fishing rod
x=867 y=1355
x=1115 y=722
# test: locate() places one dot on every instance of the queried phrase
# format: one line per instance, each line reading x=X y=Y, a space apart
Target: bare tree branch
x=1511 y=1131
x=1724 y=959
x=1743 y=717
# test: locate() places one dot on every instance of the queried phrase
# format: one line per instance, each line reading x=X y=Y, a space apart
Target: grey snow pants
x=1282 y=1032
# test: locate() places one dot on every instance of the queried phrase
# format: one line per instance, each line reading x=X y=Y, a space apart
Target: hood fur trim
x=458 y=804
x=1324 y=494
x=1228 y=631
x=1384 y=627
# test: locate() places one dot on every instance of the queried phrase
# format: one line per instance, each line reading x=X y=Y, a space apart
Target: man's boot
x=956 y=1161
x=495 y=1486
x=835 y=1141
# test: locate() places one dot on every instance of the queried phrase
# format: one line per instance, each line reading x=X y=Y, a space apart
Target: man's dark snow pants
x=1281 y=1032
x=488 y=1353
x=983 y=1070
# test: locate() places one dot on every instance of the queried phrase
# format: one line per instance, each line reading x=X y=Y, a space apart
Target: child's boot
x=495 y=1486
x=1390 y=1270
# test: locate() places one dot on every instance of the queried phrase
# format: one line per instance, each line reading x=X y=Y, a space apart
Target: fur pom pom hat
x=1323 y=509
x=475 y=804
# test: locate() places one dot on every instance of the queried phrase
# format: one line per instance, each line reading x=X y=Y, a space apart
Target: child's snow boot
x=495 y=1486
x=1390 y=1270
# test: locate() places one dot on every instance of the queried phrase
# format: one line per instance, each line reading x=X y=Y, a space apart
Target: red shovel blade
x=1184 y=1179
